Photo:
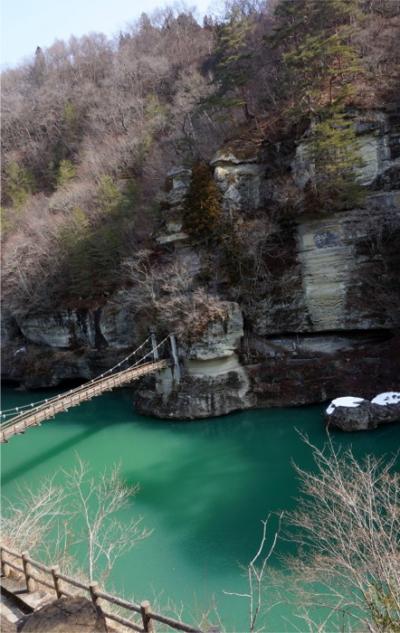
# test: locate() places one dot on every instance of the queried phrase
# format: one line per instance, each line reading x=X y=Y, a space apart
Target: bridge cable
x=98 y=379
x=7 y=412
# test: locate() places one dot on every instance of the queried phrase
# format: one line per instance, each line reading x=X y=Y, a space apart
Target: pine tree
x=66 y=172
x=202 y=208
x=19 y=184
x=232 y=59
x=38 y=69
x=319 y=59
x=334 y=152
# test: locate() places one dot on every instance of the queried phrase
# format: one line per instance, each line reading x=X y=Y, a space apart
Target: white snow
x=389 y=397
x=346 y=401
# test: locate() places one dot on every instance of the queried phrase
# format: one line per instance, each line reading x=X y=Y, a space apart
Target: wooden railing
x=55 y=581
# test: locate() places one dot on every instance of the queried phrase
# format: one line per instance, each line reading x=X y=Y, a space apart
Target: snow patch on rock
x=346 y=401
x=388 y=397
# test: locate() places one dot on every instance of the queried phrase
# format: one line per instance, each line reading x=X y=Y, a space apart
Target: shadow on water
x=41 y=458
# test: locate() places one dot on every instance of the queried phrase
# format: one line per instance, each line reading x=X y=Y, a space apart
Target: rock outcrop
x=213 y=382
x=66 y=615
x=325 y=322
x=357 y=414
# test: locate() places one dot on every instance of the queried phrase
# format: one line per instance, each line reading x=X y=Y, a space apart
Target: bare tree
x=29 y=520
x=169 y=291
x=50 y=520
x=255 y=573
x=96 y=500
x=347 y=526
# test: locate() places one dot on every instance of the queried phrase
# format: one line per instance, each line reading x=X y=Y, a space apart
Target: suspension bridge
x=18 y=419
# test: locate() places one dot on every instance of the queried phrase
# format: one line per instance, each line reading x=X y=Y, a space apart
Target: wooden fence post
x=93 y=591
x=147 y=622
x=30 y=583
x=56 y=580
x=5 y=569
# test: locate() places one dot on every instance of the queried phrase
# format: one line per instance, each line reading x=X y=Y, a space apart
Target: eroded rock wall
x=324 y=323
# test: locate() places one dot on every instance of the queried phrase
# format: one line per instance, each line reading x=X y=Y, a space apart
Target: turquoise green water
x=205 y=486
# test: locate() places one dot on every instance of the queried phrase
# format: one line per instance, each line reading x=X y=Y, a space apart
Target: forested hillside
x=234 y=181
x=92 y=126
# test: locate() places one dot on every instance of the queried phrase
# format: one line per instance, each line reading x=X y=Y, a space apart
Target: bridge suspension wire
x=151 y=353
x=6 y=413
x=82 y=388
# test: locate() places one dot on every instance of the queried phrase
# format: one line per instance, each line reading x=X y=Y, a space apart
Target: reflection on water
x=205 y=486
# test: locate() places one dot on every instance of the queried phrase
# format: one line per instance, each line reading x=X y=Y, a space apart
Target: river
x=205 y=487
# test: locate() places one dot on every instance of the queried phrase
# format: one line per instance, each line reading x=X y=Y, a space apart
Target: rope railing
x=23 y=566
x=32 y=405
x=62 y=402
x=85 y=392
x=49 y=401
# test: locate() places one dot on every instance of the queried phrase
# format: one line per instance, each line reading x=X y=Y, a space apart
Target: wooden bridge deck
x=34 y=417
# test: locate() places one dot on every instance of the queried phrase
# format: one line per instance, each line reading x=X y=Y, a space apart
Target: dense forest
x=92 y=126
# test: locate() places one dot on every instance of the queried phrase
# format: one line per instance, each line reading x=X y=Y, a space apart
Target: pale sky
x=26 y=24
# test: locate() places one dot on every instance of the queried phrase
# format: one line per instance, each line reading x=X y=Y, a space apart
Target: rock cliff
x=324 y=320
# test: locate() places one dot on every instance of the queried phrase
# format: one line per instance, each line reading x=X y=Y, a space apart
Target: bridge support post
x=154 y=346
x=174 y=352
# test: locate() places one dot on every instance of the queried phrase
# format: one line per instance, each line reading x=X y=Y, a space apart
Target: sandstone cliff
x=323 y=321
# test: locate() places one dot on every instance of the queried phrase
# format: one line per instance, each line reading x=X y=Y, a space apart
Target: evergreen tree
x=19 y=184
x=93 y=248
x=232 y=59
x=38 y=69
x=66 y=172
x=334 y=153
x=318 y=58
x=202 y=208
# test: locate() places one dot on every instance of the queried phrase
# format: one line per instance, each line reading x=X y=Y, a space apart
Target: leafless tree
x=255 y=573
x=49 y=520
x=347 y=526
x=169 y=292
x=28 y=520
x=95 y=500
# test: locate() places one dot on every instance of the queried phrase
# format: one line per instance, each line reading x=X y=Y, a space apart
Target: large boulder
x=377 y=135
x=357 y=414
x=221 y=338
x=66 y=615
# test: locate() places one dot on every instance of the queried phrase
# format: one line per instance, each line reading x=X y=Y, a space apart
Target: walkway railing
x=55 y=581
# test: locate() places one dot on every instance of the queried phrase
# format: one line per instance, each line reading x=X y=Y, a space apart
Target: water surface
x=205 y=487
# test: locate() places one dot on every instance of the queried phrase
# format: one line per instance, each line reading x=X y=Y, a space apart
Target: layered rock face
x=324 y=322
x=213 y=381
x=334 y=330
